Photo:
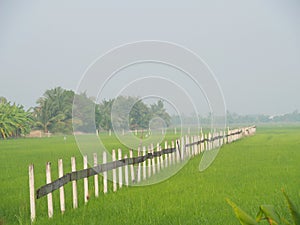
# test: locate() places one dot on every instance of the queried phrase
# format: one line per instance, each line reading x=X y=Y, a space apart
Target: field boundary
x=148 y=163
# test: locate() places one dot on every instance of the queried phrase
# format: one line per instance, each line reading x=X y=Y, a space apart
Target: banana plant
x=266 y=212
x=14 y=120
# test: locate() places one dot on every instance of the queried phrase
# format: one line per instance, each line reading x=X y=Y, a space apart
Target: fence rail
x=85 y=173
x=154 y=160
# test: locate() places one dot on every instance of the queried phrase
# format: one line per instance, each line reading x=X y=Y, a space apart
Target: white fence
x=150 y=160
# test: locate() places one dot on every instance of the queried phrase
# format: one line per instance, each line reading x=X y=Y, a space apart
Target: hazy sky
x=252 y=46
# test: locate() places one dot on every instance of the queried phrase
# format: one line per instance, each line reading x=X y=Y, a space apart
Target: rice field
x=250 y=172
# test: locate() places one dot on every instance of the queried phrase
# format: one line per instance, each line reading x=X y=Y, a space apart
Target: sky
x=251 y=46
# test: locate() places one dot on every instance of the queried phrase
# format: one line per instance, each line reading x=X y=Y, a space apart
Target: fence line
x=156 y=161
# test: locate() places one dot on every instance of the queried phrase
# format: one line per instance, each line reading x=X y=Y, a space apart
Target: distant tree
x=159 y=111
x=129 y=112
x=120 y=111
x=139 y=116
x=103 y=119
x=54 y=111
x=84 y=113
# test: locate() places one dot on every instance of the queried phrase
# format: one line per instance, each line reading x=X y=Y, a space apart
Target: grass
x=250 y=172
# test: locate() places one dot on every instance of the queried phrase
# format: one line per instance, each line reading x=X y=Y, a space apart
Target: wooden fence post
x=166 y=156
x=172 y=155
x=190 y=141
x=169 y=156
x=158 y=158
x=161 y=159
x=187 y=149
x=202 y=144
x=104 y=174
x=228 y=135
x=120 y=169
x=96 y=180
x=177 y=151
x=49 y=196
x=206 y=142
x=144 y=164
x=85 y=180
x=192 y=146
x=153 y=159
x=233 y=135
x=31 y=192
x=61 y=189
x=149 y=163
x=114 y=172
x=236 y=136
x=74 y=184
x=182 y=148
x=213 y=142
x=198 y=145
x=126 y=172
x=210 y=140
x=131 y=167
x=139 y=167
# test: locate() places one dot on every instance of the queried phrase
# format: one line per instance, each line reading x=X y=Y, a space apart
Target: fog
x=252 y=47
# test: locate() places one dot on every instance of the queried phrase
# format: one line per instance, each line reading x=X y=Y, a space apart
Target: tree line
x=53 y=113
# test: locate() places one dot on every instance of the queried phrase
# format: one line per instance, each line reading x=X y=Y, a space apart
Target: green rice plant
x=248 y=169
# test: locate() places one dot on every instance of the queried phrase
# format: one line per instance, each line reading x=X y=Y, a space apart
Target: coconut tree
x=53 y=112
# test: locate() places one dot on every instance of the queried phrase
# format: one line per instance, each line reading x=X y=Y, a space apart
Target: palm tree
x=43 y=116
x=54 y=110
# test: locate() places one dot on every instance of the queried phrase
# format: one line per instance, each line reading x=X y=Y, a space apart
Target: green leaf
x=283 y=220
x=268 y=212
x=243 y=217
x=293 y=210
